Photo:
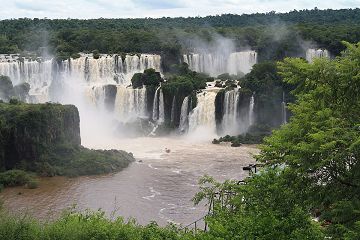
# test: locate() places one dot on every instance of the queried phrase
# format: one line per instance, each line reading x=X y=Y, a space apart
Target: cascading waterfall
x=82 y=82
x=241 y=62
x=251 y=110
x=155 y=112
x=184 y=114
x=130 y=103
x=161 y=108
x=312 y=54
x=110 y=69
x=173 y=105
x=37 y=73
x=202 y=117
x=230 y=117
x=96 y=94
x=86 y=76
x=215 y=63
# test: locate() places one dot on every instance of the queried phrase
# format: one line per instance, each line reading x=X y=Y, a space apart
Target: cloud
x=155 y=8
x=28 y=6
x=159 y=4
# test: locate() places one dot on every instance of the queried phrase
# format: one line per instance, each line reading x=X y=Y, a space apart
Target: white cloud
x=155 y=8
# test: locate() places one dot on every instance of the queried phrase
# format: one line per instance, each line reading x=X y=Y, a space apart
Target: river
x=158 y=187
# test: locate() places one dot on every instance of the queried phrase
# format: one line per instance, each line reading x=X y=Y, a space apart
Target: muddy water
x=158 y=186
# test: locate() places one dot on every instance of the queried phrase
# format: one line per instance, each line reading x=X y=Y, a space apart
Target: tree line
x=273 y=35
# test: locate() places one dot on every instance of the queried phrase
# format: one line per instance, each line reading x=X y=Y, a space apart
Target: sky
x=85 y=9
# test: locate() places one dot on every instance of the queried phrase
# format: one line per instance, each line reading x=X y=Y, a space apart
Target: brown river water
x=159 y=186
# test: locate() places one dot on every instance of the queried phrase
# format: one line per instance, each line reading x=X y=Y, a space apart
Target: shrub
x=15 y=177
x=96 y=54
x=236 y=143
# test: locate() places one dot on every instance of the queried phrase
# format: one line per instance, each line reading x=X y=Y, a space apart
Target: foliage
x=255 y=135
x=149 y=78
x=282 y=31
x=8 y=91
x=183 y=81
x=320 y=146
x=311 y=164
x=96 y=54
x=45 y=138
x=85 y=225
x=73 y=161
x=266 y=83
x=16 y=177
x=257 y=209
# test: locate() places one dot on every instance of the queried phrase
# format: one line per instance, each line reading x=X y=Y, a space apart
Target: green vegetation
x=269 y=89
x=73 y=161
x=8 y=91
x=312 y=163
x=181 y=82
x=45 y=138
x=273 y=35
x=309 y=187
x=149 y=78
x=86 y=225
x=14 y=178
x=255 y=135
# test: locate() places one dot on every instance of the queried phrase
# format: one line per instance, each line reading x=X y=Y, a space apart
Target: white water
x=202 y=123
x=216 y=63
x=184 y=114
x=155 y=112
x=230 y=122
x=130 y=103
x=172 y=116
x=251 y=110
x=312 y=54
x=81 y=82
x=161 y=108
x=241 y=62
x=37 y=74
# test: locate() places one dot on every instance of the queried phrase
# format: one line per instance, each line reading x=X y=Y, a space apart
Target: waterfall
x=110 y=69
x=130 y=103
x=202 y=117
x=283 y=110
x=230 y=120
x=241 y=62
x=161 y=108
x=87 y=74
x=184 y=114
x=173 y=105
x=215 y=64
x=96 y=95
x=37 y=73
x=312 y=54
x=155 y=112
x=251 y=110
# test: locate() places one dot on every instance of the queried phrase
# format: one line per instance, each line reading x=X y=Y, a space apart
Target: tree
x=320 y=146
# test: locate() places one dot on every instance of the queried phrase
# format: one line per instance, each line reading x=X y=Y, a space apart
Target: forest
x=288 y=34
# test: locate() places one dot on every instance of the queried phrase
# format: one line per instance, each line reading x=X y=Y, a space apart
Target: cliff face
x=27 y=131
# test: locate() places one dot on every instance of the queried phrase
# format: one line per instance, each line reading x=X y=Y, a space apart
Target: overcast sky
x=155 y=8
